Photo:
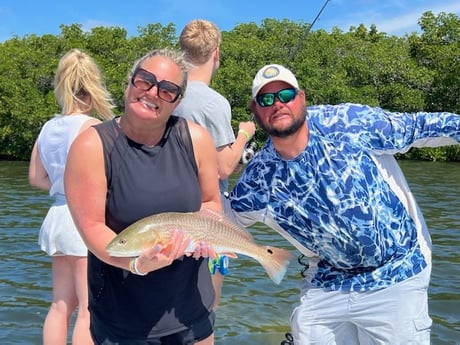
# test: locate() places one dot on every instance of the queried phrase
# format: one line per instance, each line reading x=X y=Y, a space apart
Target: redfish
x=204 y=226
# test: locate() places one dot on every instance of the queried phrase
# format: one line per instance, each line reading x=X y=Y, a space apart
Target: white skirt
x=58 y=234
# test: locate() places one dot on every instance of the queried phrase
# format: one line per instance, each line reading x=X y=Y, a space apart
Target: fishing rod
x=251 y=146
x=305 y=34
x=289 y=338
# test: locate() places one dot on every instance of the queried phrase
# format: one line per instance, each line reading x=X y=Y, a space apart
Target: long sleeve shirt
x=344 y=201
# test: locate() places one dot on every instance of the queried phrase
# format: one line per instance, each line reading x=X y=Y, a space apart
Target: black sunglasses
x=268 y=99
x=166 y=90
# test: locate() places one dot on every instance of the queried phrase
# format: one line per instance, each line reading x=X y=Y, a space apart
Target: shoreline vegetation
x=415 y=72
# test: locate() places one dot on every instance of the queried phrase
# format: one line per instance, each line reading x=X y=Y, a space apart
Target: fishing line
x=251 y=146
x=305 y=34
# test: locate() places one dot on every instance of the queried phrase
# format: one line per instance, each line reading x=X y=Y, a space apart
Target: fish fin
x=220 y=217
x=166 y=248
x=230 y=255
x=211 y=213
x=275 y=261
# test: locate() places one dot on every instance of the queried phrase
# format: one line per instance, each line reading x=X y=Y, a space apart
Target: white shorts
x=397 y=315
x=58 y=234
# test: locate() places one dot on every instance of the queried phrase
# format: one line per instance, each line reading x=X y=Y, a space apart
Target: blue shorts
x=397 y=315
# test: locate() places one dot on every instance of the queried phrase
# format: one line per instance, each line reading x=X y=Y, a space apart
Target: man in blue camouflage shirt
x=328 y=182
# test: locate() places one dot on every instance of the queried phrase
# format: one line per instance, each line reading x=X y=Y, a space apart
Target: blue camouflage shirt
x=344 y=199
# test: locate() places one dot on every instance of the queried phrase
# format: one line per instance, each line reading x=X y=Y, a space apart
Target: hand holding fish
x=160 y=256
x=203 y=250
x=207 y=232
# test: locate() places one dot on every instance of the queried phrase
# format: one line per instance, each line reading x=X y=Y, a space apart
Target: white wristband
x=133 y=268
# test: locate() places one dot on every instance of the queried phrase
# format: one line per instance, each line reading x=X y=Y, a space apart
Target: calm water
x=253 y=310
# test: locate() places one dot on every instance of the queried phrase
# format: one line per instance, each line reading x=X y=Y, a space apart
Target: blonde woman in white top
x=80 y=92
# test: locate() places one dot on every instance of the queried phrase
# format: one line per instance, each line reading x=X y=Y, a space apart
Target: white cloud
x=93 y=23
x=409 y=21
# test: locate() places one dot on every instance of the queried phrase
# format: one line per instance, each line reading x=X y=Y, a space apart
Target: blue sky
x=395 y=17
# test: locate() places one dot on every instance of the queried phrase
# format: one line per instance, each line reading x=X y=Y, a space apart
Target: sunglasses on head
x=166 y=90
x=268 y=99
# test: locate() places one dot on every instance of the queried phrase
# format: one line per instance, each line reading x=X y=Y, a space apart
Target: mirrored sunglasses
x=268 y=99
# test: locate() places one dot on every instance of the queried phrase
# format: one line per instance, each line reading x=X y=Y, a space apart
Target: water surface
x=253 y=309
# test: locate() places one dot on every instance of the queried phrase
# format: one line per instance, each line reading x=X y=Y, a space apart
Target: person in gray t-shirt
x=200 y=41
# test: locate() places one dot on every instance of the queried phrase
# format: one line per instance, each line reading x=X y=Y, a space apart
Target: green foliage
x=438 y=49
x=440 y=154
x=26 y=92
x=417 y=72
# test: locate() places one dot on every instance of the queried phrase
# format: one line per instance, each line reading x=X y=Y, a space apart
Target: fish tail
x=275 y=261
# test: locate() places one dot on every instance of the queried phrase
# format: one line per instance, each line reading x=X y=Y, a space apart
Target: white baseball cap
x=270 y=73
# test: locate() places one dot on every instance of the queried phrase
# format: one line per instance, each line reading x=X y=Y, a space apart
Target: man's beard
x=282 y=133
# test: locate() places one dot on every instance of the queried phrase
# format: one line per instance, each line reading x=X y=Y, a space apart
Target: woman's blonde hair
x=78 y=86
x=198 y=40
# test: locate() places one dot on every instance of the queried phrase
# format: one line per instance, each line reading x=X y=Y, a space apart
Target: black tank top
x=143 y=181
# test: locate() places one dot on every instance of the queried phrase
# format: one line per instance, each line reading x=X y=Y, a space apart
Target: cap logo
x=271 y=72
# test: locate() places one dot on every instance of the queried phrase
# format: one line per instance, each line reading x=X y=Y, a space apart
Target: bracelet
x=133 y=268
x=246 y=134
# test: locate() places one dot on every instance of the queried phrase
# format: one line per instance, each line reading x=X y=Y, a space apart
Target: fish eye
x=122 y=241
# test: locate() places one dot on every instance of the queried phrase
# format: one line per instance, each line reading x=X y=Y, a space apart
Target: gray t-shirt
x=208 y=108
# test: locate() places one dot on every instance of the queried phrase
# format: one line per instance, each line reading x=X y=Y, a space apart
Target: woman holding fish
x=143 y=163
